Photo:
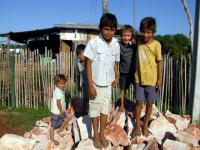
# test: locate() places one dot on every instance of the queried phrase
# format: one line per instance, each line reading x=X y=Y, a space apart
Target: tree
x=175 y=45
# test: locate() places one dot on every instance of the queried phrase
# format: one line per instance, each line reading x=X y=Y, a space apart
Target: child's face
x=108 y=33
x=147 y=35
x=126 y=36
x=81 y=56
x=61 y=84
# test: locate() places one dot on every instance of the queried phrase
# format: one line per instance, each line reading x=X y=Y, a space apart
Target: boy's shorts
x=125 y=80
x=144 y=92
x=101 y=103
x=56 y=120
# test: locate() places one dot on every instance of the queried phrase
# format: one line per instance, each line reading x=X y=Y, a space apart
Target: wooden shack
x=61 y=37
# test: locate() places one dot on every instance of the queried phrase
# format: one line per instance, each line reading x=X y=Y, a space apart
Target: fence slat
x=34 y=75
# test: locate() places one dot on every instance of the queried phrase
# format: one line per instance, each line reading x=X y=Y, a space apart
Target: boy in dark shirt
x=127 y=64
x=81 y=68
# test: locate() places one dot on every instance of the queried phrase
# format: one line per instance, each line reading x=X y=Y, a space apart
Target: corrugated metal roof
x=23 y=36
x=89 y=26
x=78 y=26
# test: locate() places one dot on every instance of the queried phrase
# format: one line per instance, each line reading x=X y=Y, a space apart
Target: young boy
x=102 y=56
x=148 y=74
x=58 y=106
x=81 y=67
x=127 y=63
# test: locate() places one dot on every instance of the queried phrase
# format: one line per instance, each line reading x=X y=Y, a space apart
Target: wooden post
x=12 y=76
x=105 y=6
x=134 y=13
x=195 y=81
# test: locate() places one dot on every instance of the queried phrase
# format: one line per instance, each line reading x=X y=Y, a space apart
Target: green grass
x=24 y=118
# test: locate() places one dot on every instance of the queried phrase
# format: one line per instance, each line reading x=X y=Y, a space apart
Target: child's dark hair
x=59 y=77
x=79 y=48
x=128 y=28
x=148 y=23
x=108 y=20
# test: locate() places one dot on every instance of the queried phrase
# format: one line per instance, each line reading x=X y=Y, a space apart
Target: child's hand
x=133 y=41
x=115 y=82
x=92 y=92
x=158 y=85
x=61 y=112
x=60 y=115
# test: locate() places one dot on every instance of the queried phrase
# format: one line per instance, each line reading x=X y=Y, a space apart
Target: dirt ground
x=5 y=128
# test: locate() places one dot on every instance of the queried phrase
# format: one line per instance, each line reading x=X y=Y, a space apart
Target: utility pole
x=105 y=6
x=195 y=81
x=134 y=13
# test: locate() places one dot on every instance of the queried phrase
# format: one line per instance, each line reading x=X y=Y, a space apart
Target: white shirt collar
x=58 y=89
x=113 y=41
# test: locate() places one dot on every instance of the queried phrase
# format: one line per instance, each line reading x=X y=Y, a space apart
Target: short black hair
x=148 y=23
x=79 y=48
x=108 y=20
x=59 y=77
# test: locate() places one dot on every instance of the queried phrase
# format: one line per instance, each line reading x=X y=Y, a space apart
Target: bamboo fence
x=33 y=75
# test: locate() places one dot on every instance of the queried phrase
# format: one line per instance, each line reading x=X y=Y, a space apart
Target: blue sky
x=22 y=15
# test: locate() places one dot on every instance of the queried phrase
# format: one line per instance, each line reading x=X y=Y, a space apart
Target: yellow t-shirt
x=147 y=56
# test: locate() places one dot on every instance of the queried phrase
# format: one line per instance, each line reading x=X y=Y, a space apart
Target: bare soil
x=5 y=128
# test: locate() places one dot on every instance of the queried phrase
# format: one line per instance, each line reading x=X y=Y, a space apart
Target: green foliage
x=175 y=45
x=67 y=97
x=5 y=46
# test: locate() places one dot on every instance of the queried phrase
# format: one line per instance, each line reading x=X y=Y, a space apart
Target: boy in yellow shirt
x=148 y=75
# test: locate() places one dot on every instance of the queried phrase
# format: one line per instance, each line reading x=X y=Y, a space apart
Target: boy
x=81 y=67
x=148 y=74
x=102 y=56
x=127 y=63
x=58 y=106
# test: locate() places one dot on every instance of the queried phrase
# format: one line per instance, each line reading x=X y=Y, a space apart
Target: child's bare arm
x=59 y=106
x=91 y=89
x=116 y=69
x=159 y=75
